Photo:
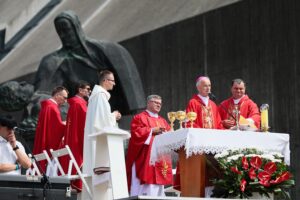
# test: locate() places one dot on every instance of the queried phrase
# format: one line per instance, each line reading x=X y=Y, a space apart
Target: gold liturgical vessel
x=172 y=118
x=191 y=116
x=264 y=117
x=180 y=115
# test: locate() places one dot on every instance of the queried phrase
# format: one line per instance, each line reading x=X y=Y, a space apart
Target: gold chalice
x=180 y=115
x=172 y=118
x=191 y=116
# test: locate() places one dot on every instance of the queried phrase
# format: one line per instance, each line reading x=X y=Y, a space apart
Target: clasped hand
x=158 y=130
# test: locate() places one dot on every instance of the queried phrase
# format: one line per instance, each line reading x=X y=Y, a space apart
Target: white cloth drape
x=198 y=141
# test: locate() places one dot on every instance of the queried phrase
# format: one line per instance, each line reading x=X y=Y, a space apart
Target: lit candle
x=264 y=117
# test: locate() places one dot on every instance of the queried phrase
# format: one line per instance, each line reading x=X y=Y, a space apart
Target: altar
x=191 y=143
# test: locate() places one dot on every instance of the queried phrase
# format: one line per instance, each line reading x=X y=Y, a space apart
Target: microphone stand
x=45 y=179
x=236 y=117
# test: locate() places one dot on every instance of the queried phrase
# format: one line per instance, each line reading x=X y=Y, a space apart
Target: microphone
x=212 y=97
x=19 y=130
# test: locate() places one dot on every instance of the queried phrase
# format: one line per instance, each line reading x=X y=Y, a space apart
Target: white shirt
x=204 y=99
x=7 y=155
x=98 y=116
x=236 y=101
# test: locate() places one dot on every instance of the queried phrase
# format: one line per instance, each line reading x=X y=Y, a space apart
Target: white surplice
x=98 y=116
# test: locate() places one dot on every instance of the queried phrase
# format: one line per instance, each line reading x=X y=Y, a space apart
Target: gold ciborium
x=172 y=118
x=180 y=115
x=191 y=116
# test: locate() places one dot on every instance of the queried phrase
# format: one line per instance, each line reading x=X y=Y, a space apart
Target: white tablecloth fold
x=199 y=141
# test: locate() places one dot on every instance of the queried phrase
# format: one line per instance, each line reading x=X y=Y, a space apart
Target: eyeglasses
x=156 y=102
x=111 y=80
x=89 y=89
x=64 y=96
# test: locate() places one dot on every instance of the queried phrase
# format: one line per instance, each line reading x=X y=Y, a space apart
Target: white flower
x=277 y=154
x=268 y=156
x=234 y=157
x=252 y=155
x=222 y=154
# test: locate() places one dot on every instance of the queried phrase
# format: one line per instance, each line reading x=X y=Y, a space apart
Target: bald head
x=203 y=85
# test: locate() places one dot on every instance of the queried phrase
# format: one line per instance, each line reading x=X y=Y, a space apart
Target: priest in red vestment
x=50 y=128
x=144 y=179
x=74 y=133
x=207 y=117
x=239 y=105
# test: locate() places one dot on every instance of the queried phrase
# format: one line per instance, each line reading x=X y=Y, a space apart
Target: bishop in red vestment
x=144 y=179
x=74 y=133
x=239 y=103
x=207 y=115
x=50 y=128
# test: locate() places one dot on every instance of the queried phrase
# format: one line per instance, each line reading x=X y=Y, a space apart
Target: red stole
x=50 y=129
x=139 y=153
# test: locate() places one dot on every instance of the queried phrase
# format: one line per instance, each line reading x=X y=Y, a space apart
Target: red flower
x=243 y=185
x=245 y=163
x=283 y=177
x=235 y=170
x=264 y=176
x=270 y=167
x=265 y=183
x=252 y=173
x=256 y=162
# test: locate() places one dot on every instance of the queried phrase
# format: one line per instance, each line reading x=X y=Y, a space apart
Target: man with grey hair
x=144 y=179
x=207 y=112
x=239 y=105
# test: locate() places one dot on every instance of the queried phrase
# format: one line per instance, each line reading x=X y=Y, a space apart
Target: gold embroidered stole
x=233 y=109
x=207 y=116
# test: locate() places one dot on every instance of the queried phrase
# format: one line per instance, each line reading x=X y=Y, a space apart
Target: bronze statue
x=81 y=58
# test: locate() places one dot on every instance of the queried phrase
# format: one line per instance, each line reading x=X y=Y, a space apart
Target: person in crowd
x=98 y=116
x=50 y=128
x=144 y=179
x=12 y=152
x=75 y=128
x=239 y=105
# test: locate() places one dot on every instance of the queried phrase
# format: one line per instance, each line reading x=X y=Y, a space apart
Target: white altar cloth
x=199 y=141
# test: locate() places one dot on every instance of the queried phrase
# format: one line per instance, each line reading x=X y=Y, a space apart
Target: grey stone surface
x=113 y=20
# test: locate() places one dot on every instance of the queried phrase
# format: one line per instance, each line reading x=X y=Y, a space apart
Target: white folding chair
x=38 y=157
x=67 y=152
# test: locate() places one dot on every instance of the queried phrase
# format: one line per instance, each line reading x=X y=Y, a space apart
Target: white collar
x=236 y=101
x=51 y=99
x=2 y=140
x=204 y=99
x=99 y=88
x=152 y=114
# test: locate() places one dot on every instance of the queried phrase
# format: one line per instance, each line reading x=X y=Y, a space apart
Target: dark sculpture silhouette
x=14 y=96
x=81 y=58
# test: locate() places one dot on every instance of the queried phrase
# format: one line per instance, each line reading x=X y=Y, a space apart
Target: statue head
x=69 y=29
x=15 y=96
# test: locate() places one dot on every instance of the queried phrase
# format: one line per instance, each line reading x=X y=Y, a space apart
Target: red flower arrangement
x=247 y=171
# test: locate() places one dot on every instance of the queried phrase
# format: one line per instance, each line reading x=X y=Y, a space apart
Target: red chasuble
x=247 y=108
x=207 y=116
x=74 y=135
x=139 y=153
x=50 y=129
